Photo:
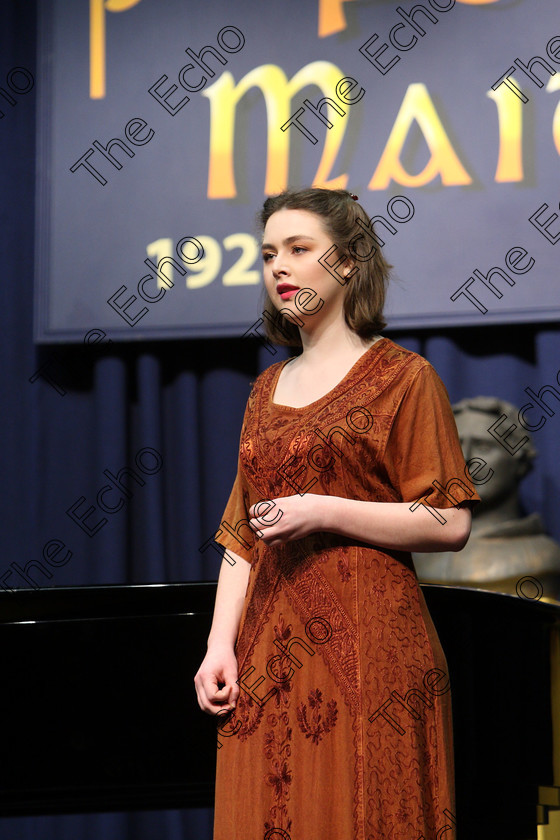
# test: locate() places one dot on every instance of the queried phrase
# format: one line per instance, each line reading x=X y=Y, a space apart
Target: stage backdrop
x=162 y=129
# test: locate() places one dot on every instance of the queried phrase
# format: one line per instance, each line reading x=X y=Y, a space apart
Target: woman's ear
x=347 y=266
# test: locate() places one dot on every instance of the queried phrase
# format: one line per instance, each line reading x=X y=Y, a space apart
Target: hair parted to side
x=367 y=288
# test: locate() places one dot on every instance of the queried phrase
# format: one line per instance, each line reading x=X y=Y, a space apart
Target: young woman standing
x=323 y=663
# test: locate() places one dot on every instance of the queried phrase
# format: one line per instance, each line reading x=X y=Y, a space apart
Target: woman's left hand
x=278 y=521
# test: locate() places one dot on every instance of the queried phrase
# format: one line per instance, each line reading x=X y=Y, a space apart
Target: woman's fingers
x=212 y=699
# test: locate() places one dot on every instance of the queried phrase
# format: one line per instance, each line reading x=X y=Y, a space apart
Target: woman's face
x=293 y=243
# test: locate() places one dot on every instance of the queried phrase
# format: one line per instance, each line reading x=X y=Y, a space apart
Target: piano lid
x=99 y=710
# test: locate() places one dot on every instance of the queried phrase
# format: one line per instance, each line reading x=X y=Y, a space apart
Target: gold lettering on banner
x=418 y=106
x=510 y=129
x=331 y=17
x=553 y=85
x=160 y=249
x=278 y=94
x=98 y=41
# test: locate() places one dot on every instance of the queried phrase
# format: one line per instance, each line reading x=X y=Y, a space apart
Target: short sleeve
x=424 y=459
x=235 y=532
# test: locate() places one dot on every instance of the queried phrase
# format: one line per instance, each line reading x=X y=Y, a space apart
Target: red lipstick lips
x=286 y=290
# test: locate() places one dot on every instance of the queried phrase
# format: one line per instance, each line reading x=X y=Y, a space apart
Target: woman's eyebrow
x=290 y=239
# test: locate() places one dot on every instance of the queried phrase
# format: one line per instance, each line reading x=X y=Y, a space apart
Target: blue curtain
x=171 y=412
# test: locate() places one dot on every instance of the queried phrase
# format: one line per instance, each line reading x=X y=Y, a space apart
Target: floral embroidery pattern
x=283 y=669
x=277 y=748
x=249 y=714
x=316 y=728
x=343 y=569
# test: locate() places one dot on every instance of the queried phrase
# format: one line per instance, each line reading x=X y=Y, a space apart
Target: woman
x=322 y=656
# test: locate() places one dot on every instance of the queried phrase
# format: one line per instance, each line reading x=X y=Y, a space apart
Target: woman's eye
x=296 y=249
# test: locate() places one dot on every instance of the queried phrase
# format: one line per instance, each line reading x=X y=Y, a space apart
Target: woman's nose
x=278 y=266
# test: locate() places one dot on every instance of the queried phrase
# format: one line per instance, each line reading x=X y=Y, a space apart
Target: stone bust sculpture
x=503 y=548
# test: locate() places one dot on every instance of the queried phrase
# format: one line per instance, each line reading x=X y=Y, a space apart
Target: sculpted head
x=474 y=417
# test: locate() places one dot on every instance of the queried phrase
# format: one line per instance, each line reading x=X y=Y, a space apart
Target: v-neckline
x=330 y=394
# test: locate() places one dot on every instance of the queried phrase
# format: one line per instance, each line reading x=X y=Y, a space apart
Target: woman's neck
x=334 y=342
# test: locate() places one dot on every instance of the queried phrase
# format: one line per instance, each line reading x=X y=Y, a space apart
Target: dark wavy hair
x=367 y=288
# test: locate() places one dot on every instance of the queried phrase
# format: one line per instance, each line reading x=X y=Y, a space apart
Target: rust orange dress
x=342 y=729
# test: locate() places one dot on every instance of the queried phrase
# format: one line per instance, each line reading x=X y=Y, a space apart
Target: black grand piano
x=99 y=713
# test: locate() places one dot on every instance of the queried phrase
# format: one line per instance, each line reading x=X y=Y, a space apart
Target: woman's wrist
x=336 y=512
x=328 y=512
x=219 y=643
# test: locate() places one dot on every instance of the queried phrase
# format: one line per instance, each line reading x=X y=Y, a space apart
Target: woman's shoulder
x=265 y=378
x=414 y=377
x=402 y=362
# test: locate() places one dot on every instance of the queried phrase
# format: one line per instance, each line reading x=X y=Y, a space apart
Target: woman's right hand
x=219 y=666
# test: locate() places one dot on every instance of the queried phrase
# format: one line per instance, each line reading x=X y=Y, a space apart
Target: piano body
x=99 y=712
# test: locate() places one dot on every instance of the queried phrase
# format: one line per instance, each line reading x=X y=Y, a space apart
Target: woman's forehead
x=288 y=222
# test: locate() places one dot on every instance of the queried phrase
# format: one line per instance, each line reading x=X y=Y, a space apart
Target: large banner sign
x=163 y=124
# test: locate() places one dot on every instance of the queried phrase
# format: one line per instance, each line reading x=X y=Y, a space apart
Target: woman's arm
x=390 y=525
x=220 y=664
x=230 y=595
